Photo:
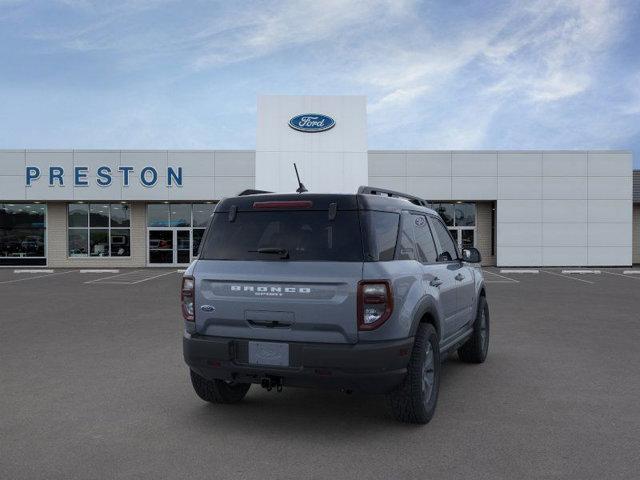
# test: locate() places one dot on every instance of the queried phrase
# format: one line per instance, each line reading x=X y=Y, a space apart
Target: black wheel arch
x=426 y=312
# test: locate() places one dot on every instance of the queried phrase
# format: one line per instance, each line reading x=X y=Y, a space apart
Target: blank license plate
x=269 y=353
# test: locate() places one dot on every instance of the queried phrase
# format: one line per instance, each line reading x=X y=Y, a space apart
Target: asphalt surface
x=92 y=385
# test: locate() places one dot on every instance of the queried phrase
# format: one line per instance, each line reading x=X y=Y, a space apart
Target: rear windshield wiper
x=283 y=252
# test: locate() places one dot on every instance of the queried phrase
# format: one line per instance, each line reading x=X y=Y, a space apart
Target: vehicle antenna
x=301 y=188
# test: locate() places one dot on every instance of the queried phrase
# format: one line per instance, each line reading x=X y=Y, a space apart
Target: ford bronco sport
x=360 y=292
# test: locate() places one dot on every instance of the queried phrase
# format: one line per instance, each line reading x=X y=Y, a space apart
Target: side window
x=446 y=248
x=406 y=250
x=424 y=241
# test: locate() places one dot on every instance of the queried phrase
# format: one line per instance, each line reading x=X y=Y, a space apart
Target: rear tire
x=218 y=391
x=414 y=401
x=475 y=349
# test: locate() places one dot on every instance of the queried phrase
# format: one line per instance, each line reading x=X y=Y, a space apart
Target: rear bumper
x=373 y=367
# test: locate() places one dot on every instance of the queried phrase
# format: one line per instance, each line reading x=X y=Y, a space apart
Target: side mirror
x=471 y=255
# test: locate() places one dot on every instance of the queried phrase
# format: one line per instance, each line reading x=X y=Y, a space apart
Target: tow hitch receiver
x=270 y=382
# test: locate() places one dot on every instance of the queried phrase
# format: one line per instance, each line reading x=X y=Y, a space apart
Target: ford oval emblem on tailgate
x=311 y=122
x=207 y=308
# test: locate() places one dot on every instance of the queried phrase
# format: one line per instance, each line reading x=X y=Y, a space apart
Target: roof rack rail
x=392 y=193
x=251 y=191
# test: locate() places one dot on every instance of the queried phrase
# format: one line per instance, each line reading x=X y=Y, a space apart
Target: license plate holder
x=269 y=353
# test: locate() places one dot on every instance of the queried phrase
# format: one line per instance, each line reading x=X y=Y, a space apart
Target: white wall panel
x=41 y=190
x=194 y=164
x=12 y=162
x=12 y=188
x=609 y=234
x=398 y=184
x=194 y=188
x=609 y=211
x=430 y=188
x=137 y=191
x=520 y=164
x=519 y=211
x=519 y=187
x=564 y=164
x=609 y=164
x=609 y=256
x=235 y=164
x=429 y=164
x=564 y=211
x=564 y=235
x=93 y=159
x=231 y=186
x=474 y=188
x=519 y=256
x=93 y=191
x=145 y=158
x=519 y=234
x=387 y=164
x=611 y=187
x=564 y=187
x=476 y=164
x=564 y=256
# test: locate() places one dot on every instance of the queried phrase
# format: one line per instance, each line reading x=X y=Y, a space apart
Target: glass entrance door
x=171 y=246
x=183 y=246
x=464 y=237
x=160 y=246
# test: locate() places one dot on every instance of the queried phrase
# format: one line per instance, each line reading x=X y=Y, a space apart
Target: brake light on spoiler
x=284 y=204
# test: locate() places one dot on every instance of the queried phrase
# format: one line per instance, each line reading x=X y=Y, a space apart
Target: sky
x=488 y=74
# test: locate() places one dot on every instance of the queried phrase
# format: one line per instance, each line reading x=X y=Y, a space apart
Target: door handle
x=436 y=282
x=459 y=277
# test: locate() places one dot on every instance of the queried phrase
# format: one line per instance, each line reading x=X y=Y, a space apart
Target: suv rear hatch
x=281 y=268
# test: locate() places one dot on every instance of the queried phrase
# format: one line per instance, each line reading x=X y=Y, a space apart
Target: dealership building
x=136 y=208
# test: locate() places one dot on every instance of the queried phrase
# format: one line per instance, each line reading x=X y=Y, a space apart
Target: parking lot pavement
x=92 y=385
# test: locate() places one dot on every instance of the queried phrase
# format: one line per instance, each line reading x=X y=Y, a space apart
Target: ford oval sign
x=311 y=122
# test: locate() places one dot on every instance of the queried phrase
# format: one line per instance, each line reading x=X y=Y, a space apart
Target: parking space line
x=151 y=278
x=39 y=276
x=104 y=270
x=514 y=270
x=501 y=276
x=567 y=276
x=621 y=275
x=500 y=281
x=112 y=276
x=34 y=271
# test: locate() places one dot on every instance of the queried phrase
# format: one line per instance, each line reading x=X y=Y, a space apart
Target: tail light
x=375 y=303
x=187 y=298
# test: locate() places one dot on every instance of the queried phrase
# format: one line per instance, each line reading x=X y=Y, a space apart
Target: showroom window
x=23 y=233
x=460 y=219
x=99 y=230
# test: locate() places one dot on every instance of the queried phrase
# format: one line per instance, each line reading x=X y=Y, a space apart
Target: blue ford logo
x=311 y=122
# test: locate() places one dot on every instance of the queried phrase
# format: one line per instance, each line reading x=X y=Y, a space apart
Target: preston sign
x=312 y=122
x=56 y=176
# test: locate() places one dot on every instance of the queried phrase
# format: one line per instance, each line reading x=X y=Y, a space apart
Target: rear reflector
x=284 y=204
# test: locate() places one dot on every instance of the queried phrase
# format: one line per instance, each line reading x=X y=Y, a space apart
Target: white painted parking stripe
x=39 y=276
x=621 y=275
x=102 y=270
x=513 y=270
x=112 y=276
x=501 y=276
x=500 y=281
x=151 y=278
x=34 y=271
x=181 y=270
x=567 y=276
x=631 y=272
x=581 y=272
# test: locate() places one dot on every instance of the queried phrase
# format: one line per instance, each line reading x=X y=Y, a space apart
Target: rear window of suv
x=306 y=235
